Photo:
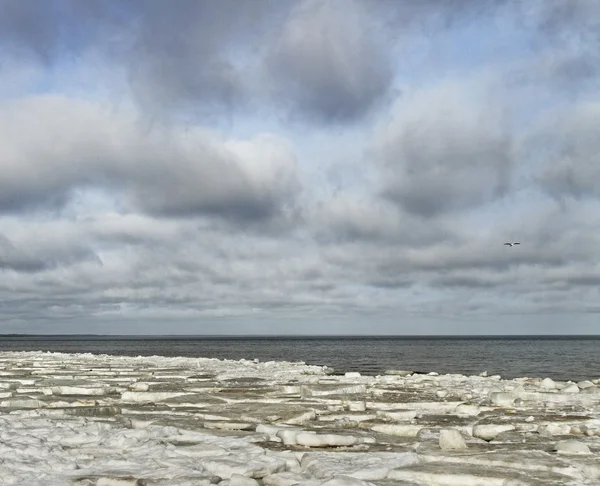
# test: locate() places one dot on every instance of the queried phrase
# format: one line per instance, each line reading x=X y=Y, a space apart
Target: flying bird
x=512 y=244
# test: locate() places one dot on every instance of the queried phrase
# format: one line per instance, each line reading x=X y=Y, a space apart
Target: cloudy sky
x=299 y=166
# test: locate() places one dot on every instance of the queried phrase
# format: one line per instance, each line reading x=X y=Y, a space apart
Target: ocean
x=558 y=357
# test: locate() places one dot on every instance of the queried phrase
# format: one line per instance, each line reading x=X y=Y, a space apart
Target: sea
x=558 y=357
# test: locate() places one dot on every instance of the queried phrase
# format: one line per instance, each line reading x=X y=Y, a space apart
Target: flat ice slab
x=93 y=420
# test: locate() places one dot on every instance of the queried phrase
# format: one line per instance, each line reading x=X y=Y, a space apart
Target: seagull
x=512 y=244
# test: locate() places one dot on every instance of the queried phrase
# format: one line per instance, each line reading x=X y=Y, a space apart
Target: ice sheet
x=94 y=420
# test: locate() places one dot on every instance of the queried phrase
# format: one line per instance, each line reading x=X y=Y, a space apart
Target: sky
x=299 y=167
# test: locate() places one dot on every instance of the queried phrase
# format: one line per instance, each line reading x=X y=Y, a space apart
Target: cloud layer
x=55 y=145
x=352 y=166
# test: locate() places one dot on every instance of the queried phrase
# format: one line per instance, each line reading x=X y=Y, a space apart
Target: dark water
x=561 y=358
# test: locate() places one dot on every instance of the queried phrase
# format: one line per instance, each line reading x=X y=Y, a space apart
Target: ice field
x=82 y=419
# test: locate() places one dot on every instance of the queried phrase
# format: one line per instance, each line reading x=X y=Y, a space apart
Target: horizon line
x=295 y=336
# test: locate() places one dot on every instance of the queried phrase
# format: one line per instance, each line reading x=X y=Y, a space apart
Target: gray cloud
x=56 y=145
x=344 y=217
x=571 y=169
x=202 y=57
x=212 y=270
x=30 y=259
x=170 y=268
x=330 y=62
x=323 y=61
x=547 y=259
x=443 y=152
x=195 y=54
x=466 y=280
x=24 y=26
x=568 y=42
x=48 y=30
x=13 y=259
x=566 y=22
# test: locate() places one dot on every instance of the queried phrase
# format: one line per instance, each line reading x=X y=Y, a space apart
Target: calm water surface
x=561 y=358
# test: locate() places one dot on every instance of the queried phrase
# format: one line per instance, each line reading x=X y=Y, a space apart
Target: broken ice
x=86 y=420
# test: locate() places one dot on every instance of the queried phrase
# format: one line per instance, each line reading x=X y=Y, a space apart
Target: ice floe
x=94 y=420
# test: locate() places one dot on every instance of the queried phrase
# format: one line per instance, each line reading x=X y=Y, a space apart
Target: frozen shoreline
x=99 y=420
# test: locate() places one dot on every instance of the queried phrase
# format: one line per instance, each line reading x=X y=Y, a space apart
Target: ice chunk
x=452 y=475
x=397 y=429
x=501 y=399
x=148 y=397
x=239 y=480
x=80 y=390
x=285 y=479
x=397 y=415
x=548 y=384
x=346 y=481
x=467 y=409
x=371 y=467
x=325 y=440
x=336 y=390
x=200 y=450
x=585 y=384
x=254 y=466
x=289 y=436
x=117 y=482
x=358 y=406
x=139 y=386
x=300 y=418
x=451 y=439
x=490 y=431
x=21 y=403
x=571 y=447
x=270 y=431
x=398 y=372
x=572 y=388
x=292 y=462
x=229 y=425
x=554 y=429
